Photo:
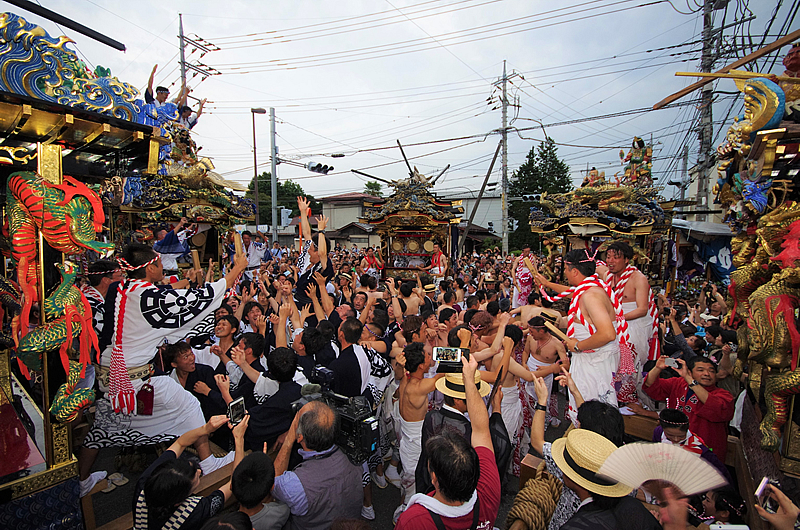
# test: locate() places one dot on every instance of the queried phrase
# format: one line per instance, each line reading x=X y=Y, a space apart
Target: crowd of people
x=280 y=324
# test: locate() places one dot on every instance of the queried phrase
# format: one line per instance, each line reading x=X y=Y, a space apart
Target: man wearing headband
x=102 y=274
x=464 y=474
x=591 y=330
x=140 y=408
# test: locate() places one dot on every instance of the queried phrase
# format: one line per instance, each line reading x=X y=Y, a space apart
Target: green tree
x=541 y=172
x=287 y=194
x=373 y=188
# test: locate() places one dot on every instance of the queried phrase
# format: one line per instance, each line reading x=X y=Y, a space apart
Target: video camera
x=358 y=428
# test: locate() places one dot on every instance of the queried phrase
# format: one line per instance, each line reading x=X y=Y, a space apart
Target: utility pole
x=706 y=116
x=182 y=49
x=273 y=153
x=685 y=172
x=504 y=163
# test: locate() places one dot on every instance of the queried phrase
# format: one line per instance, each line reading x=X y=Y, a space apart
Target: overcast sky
x=350 y=76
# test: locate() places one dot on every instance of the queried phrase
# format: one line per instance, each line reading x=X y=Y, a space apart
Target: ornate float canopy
x=628 y=207
x=134 y=153
x=413 y=205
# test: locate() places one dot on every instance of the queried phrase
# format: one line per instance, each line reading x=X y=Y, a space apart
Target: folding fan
x=651 y=464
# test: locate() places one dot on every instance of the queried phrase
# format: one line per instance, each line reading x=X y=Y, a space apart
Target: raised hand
x=261 y=324
x=305 y=312
x=311 y=291
x=319 y=278
x=322 y=222
x=303 y=204
x=238 y=356
x=285 y=311
x=565 y=379
x=541 y=390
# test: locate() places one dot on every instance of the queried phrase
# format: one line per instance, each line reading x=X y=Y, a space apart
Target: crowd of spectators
x=294 y=314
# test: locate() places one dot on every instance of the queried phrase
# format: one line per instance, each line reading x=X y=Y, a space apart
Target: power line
x=281 y=64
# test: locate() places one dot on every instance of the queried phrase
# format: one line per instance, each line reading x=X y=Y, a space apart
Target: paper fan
x=635 y=464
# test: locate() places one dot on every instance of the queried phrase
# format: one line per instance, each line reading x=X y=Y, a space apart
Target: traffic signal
x=534 y=197
x=286 y=216
x=491 y=226
x=318 y=168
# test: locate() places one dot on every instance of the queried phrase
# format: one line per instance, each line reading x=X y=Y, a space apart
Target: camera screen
x=447 y=355
x=236 y=411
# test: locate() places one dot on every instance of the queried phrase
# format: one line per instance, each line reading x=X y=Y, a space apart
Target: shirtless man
x=592 y=338
x=372 y=263
x=534 y=309
x=633 y=290
x=542 y=355
x=410 y=297
x=412 y=399
x=438 y=264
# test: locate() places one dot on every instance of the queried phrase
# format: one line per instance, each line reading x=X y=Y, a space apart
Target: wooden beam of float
x=788 y=39
x=740 y=75
x=195 y=259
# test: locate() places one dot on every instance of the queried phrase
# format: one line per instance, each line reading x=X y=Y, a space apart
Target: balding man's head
x=318 y=425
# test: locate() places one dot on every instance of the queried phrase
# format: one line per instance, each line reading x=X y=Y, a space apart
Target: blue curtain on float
x=717 y=255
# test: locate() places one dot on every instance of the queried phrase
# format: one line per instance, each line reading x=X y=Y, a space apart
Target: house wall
x=341 y=214
x=489 y=209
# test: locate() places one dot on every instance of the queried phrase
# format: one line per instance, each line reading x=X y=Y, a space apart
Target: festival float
x=601 y=211
x=757 y=168
x=410 y=221
x=81 y=154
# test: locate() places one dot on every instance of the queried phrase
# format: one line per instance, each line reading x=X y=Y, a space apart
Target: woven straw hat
x=580 y=455
x=453 y=385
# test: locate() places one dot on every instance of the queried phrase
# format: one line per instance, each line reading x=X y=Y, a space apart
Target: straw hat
x=453 y=385
x=429 y=288
x=580 y=455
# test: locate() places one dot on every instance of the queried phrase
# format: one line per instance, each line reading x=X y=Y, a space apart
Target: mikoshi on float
x=410 y=221
x=602 y=211
x=82 y=155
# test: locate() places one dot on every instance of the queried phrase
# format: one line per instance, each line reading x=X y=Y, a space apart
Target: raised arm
x=398 y=312
x=365 y=313
x=544 y=282
x=152 y=77
x=322 y=248
x=239 y=266
x=311 y=291
x=280 y=330
x=324 y=297
x=478 y=415
x=702 y=299
x=200 y=108
x=305 y=227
